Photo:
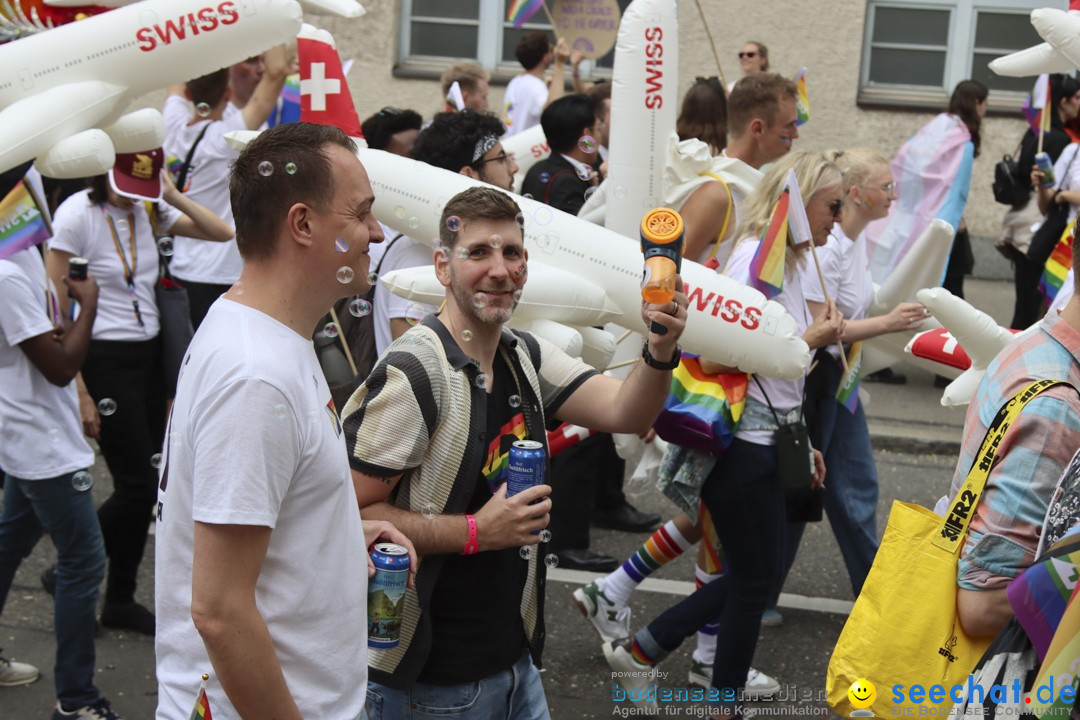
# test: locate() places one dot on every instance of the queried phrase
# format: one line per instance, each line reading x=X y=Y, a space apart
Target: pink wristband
x=472 y=546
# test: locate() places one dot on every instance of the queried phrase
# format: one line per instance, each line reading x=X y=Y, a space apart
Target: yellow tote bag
x=903 y=629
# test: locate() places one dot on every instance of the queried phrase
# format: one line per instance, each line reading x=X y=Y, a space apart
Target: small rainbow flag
x=22 y=223
x=288 y=105
x=848 y=392
x=520 y=11
x=1035 y=104
x=1057 y=266
x=201 y=711
x=703 y=410
x=767 y=267
x=802 y=101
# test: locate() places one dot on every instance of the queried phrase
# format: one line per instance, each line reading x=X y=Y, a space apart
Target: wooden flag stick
x=712 y=43
x=552 y=21
x=825 y=292
x=344 y=342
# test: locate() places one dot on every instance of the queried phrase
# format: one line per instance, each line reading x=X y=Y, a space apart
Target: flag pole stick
x=344 y=342
x=712 y=43
x=825 y=293
x=552 y=21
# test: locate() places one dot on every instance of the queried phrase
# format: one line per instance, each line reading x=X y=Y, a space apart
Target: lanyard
x=129 y=269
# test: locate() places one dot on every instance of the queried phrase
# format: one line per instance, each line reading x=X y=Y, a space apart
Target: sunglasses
x=747 y=54
x=836 y=208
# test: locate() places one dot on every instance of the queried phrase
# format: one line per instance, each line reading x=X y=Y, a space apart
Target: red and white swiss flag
x=940 y=346
x=324 y=93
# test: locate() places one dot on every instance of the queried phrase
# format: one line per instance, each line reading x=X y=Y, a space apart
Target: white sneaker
x=16 y=673
x=637 y=681
x=610 y=620
x=759 y=685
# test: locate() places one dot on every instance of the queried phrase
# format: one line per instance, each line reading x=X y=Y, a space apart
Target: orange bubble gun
x=662 y=244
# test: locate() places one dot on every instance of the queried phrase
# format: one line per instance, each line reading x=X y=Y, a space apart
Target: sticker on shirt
x=335 y=419
x=498 y=454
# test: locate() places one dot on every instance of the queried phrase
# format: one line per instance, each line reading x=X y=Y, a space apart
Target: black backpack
x=1009 y=188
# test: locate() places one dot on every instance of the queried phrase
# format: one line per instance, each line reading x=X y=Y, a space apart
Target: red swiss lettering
x=654 y=72
x=208 y=19
x=145 y=38
x=204 y=20
x=227 y=11
x=752 y=318
x=695 y=296
x=732 y=310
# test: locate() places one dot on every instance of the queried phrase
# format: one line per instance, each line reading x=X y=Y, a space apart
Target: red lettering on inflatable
x=203 y=20
x=654 y=73
x=717 y=305
x=752 y=318
x=540 y=150
x=732 y=310
x=695 y=296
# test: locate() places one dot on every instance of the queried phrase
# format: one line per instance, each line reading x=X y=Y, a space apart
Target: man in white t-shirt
x=528 y=94
x=44 y=459
x=467 y=143
x=207 y=269
x=255 y=479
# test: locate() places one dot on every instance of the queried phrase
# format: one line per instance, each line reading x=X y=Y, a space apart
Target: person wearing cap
x=121 y=386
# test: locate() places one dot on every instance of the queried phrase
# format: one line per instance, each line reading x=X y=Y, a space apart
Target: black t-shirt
x=475 y=607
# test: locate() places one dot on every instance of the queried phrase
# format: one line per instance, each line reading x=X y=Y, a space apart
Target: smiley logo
x=862 y=693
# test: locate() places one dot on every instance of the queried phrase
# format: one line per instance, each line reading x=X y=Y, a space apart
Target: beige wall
x=824 y=36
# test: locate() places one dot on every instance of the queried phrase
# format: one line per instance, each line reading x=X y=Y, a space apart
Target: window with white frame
x=916 y=52
x=437 y=32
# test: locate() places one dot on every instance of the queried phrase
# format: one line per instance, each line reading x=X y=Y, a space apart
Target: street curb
x=915 y=442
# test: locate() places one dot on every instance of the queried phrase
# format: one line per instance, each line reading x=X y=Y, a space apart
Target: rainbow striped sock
x=640 y=656
x=662 y=547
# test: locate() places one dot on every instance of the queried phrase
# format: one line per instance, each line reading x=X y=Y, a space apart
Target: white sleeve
x=832 y=267
x=1065 y=163
x=246 y=445
x=167 y=216
x=69 y=226
x=738 y=266
x=24 y=308
x=177 y=112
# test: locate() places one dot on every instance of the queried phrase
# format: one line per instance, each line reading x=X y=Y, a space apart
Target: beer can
x=78 y=268
x=1043 y=162
x=386 y=594
x=525 y=467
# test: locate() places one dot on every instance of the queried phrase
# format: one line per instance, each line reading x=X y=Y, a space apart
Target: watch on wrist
x=660 y=364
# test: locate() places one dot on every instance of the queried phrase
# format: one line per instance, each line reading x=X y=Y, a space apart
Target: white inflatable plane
x=342 y=8
x=1059 y=54
x=63 y=92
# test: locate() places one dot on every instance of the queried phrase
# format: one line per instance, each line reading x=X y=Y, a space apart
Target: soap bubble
x=165 y=246
x=496 y=241
x=290 y=168
x=584 y=172
x=280 y=411
x=515 y=401
x=543 y=215
x=266 y=168
x=121 y=226
x=453 y=223
x=155 y=460
x=202 y=109
x=620 y=191
x=330 y=330
x=359 y=307
x=82 y=481
x=400 y=211
x=587 y=144
x=345 y=274
x=520 y=220
x=544 y=177
x=429 y=511
x=372 y=278
x=552 y=561
x=415 y=313
x=525 y=552
x=528 y=195
x=463 y=253
x=466 y=335
x=481 y=380
x=589 y=192
x=545 y=535
x=106 y=406
x=414 y=222
x=479 y=301
x=340 y=245
x=517 y=295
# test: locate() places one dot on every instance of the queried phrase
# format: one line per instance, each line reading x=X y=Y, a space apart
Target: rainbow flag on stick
x=848 y=392
x=201 y=711
x=802 y=101
x=1057 y=266
x=22 y=222
x=520 y=11
x=767 y=267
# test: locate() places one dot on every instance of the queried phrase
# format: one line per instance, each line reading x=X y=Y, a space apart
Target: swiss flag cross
x=324 y=94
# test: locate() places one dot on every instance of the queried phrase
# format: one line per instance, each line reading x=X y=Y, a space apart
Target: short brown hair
x=476 y=203
x=467 y=75
x=756 y=96
x=210 y=88
x=531 y=48
x=300 y=172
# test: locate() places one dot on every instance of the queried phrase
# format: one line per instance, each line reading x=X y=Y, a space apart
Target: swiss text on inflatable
x=528 y=148
x=644 y=105
x=728 y=322
x=59 y=83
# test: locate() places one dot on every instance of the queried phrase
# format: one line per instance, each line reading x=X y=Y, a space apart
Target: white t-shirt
x=786 y=395
x=1067 y=170
x=846 y=267
x=254 y=439
x=406 y=252
x=41 y=433
x=81 y=228
x=524 y=101
x=204 y=261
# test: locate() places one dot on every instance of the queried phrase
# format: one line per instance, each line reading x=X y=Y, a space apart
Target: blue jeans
x=515 y=693
x=30 y=508
x=744 y=497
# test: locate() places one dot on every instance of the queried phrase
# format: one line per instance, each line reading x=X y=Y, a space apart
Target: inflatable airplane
x=341 y=8
x=63 y=92
x=1059 y=54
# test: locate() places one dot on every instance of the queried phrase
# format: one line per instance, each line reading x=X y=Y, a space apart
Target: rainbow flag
x=520 y=11
x=201 y=711
x=288 y=105
x=802 y=101
x=702 y=411
x=22 y=223
x=767 y=267
x=848 y=392
x=1057 y=266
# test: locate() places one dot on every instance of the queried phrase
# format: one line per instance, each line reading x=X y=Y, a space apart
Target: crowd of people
x=238 y=450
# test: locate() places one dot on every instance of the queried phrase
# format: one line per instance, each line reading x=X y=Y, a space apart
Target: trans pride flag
x=22 y=222
x=520 y=11
x=933 y=174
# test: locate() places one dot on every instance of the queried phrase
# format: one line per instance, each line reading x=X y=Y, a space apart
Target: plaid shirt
x=1004 y=532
